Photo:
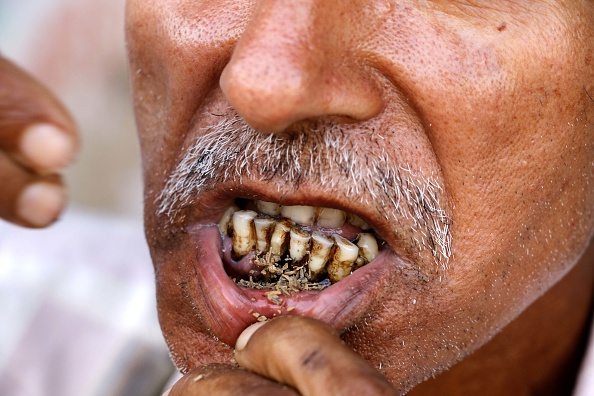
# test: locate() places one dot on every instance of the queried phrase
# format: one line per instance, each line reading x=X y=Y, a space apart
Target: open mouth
x=294 y=248
x=261 y=260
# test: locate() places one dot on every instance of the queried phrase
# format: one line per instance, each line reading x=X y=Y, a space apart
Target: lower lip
x=232 y=308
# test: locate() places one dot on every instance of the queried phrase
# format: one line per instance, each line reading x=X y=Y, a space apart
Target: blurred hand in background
x=38 y=139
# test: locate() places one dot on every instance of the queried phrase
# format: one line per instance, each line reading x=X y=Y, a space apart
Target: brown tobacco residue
x=281 y=278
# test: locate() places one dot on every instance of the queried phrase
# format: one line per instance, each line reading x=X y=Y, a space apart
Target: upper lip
x=210 y=206
x=232 y=308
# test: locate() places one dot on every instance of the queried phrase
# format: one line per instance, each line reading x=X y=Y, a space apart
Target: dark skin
x=480 y=97
x=531 y=355
x=537 y=354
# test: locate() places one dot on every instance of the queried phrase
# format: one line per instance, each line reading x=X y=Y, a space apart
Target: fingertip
x=47 y=147
x=245 y=336
x=39 y=204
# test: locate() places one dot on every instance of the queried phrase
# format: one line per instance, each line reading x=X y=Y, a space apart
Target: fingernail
x=47 y=146
x=244 y=337
x=40 y=203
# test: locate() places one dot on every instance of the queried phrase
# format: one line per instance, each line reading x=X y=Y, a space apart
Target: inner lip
x=230 y=308
x=313 y=256
x=227 y=308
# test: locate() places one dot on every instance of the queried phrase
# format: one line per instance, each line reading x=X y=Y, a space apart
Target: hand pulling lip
x=232 y=308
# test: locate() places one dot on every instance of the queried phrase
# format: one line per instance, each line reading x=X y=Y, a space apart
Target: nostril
x=272 y=88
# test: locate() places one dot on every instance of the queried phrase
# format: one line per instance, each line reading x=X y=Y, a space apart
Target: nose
x=298 y=60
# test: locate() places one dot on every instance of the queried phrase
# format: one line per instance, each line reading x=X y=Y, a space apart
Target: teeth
x=321 y=247
x=360 y=262
x=264 y=229
x=299 y=244
x=341 y=264
x=300 y=214
x=330 y=218
x=367 y=246
x=226 y=225
x=358 y=222
x=269 y=208
x=280 y=237
x=244 y=235
x=285 y=243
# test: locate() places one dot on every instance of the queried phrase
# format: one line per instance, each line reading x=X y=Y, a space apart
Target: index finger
x=308 y=355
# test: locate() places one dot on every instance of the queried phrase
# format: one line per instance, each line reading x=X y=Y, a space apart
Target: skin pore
x=481 y=100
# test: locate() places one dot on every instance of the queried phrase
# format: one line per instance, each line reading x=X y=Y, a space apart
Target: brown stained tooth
x=368 y=248
x=280 y=237
x=341 y=263
x=299 y=244
x=244 y=235
x=360 y=262
x=226 y=223
x=330 y=218
x=269 y=208
x=321 y=247
x=357 y=222
x=264 y=228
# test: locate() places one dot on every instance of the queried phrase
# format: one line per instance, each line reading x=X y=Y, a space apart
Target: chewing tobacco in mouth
x=286 y=243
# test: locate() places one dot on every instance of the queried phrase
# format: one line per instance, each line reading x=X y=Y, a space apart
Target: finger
x=35 y=129
x=308 y=355
x=223 y=379
x=28 y=199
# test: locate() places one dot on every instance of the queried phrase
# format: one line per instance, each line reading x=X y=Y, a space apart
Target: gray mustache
x=323 y=155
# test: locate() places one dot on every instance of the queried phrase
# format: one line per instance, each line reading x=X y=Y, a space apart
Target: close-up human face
x=459 y=131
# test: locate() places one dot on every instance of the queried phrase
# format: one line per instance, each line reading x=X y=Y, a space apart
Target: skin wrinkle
x=233 y=150
x=491 y=115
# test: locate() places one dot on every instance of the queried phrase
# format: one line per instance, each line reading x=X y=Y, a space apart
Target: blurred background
x=77 y=48
x=77 y=300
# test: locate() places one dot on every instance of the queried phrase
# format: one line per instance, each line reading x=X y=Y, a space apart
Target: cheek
x=177 y=51
x=511 y=125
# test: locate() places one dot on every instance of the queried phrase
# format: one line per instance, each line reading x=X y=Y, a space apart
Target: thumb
x=309 y=356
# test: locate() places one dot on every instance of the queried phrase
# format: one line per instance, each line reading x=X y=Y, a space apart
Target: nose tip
x=268 y=94
x=284 y=70
x=271 y=94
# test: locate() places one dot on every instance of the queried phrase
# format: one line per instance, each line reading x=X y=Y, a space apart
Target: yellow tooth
x=358 y=222
x=321 y=247
x=300 y=214
x=280 y=237
x=264 y=229
x=342 y=261
x=226 y=225
x=269 y=208
x=330 y=218
x=360 y=262
x=299 y=244
x=367 y=246
x=244 y=235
